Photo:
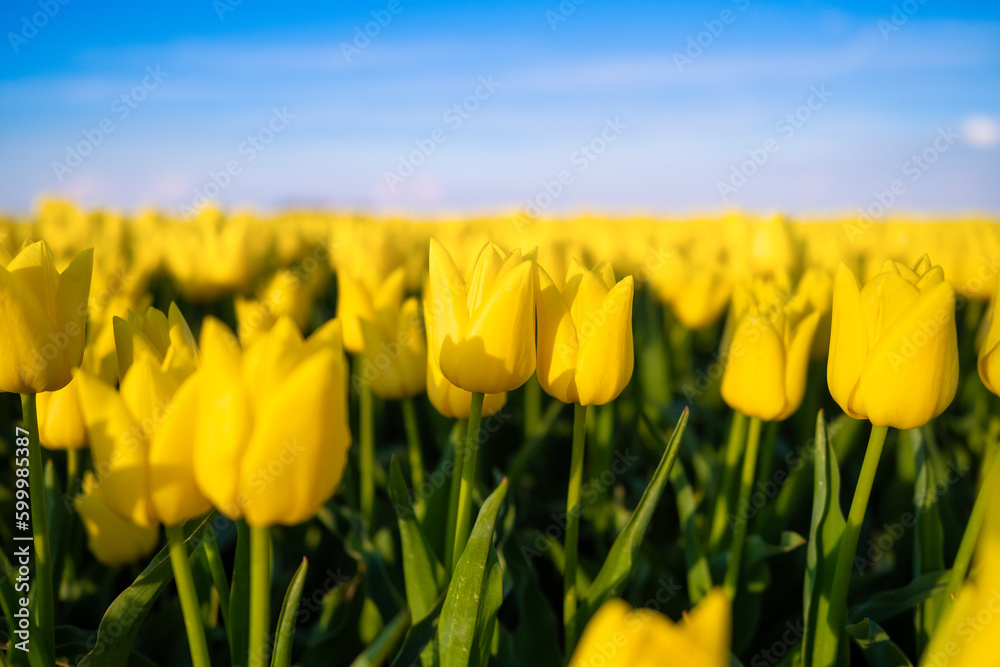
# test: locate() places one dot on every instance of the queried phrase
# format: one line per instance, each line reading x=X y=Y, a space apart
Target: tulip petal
x=445 y=309
x=60 y=418
x=848 y=343
x=915 y=358
x=174 y=492
x=753 y=381
x=797 y=364
x=709 y=625
x=113 y=540
x=32 y=360
x=558 y=346
x=292 y=465
x=604 y=365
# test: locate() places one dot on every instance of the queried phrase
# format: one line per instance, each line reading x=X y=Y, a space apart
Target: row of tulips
x=253 y=419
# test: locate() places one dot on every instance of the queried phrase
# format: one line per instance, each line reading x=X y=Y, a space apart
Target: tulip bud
x=60 y=418
x=767 y=359
x=112 y=539
x=481 y=330
x=395 y=355
x=359 y=300
x=43 y=314
x=585 y=350
x=272 y=435
x=893 y=345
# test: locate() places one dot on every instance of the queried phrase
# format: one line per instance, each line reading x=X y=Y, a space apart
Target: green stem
x=852 y=531
x=463 y=517
x=413 y=442
x=746 y=487
x=45 y=617
x=737 y=435
x=532 y=406
x=72 y=470
x=218 y=571
x=367 y=454
x=965 y=549
x=260 y=596
x=573 y=511
x=188 y=596
x=453 y=493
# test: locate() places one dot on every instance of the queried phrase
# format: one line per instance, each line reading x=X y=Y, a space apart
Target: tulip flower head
x=768 y=357
x=112 y=539
x=618 y=636
x=395 y=354
x=42 y=313
x=893 y=344
x=60 y=418
x=585 y=350
x=142 y=435
x=272 y=435
x=359 y=298
x=481 y=330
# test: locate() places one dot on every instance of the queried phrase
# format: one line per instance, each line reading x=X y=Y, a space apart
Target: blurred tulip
x=142 y=435
x=696 y=281
x=60 y=418
x=288 y=293
x=815 y=291
x=112 y=539
x=584 y=335
x=767 y=359
x=395 y=355
x=989 y=350
x=43 y=314
x=359 y=299
x=618 y=636
x=966 y=635
x=482 y=330
x=272 y=435
x=893 y=345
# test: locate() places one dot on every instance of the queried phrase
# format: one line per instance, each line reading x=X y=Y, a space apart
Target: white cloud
x=981 y=131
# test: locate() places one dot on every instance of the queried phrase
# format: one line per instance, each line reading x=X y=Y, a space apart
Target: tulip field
x=329 y=439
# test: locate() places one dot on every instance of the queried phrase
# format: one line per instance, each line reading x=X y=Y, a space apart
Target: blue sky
x=618 y=100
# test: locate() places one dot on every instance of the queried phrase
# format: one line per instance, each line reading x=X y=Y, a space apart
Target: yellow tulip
x=60 y=418
x=893 y=345
x=271 y=435
x=288 y=293
x=767 y=359
x=359 y=300
x=395 y=356
x=584 y=335
x=696 y=281
x=989 y=350
x=619 y=636
x=43 y=314
x=482 y=330
x=966 y=635
x=112 y=539
x=142 y=435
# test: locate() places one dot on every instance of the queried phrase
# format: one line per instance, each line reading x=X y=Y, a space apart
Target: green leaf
x=820 y=641
x=883 y=606
x=282 y=653
x=618 y=565
x=758 y=550
x=465 y=630
x=422 y=573
x=878 y=649
x=928 y=537
x=123 y=618
x=699 y=578
x=239 y=597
